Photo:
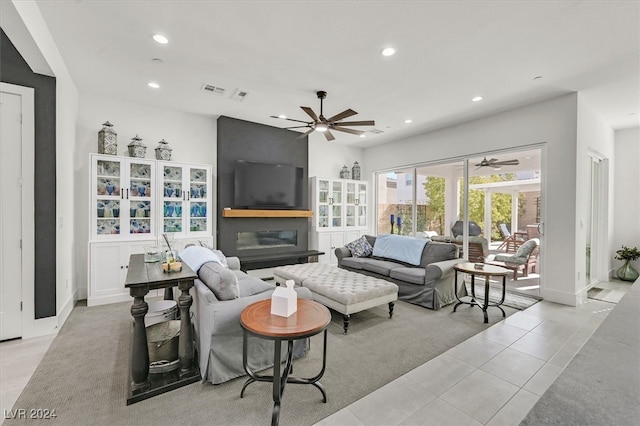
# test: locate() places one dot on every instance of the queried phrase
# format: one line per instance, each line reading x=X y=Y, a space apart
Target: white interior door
x=10 y=216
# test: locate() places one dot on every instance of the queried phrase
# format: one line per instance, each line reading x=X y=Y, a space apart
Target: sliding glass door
x=498 y=199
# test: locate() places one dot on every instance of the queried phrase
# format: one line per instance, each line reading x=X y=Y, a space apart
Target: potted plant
x=627 y=254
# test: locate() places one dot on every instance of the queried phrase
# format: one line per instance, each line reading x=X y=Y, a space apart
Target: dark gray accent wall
x=15 y=70
x=244 y=140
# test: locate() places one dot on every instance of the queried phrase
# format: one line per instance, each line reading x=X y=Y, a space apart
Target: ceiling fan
x=495 y=163
x=321 y=124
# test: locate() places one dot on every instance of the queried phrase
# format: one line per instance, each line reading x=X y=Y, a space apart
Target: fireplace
x=256 y=240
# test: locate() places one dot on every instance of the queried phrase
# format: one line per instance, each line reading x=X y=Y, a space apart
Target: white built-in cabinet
x=133 y=202
x=339 y=214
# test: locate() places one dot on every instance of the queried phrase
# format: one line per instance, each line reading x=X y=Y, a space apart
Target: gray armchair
x=217 y=326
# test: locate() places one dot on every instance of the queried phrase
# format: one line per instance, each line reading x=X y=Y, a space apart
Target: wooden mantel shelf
x=266 y=213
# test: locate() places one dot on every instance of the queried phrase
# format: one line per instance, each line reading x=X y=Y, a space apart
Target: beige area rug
x=83 y=376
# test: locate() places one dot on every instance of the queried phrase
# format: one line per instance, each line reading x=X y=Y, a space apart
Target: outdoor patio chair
x=510 y=242
x=525 y=259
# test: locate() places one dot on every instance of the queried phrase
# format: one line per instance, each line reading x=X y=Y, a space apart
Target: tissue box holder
x=284 y=300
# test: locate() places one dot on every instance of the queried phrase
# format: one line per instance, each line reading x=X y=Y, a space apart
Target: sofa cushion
x=437 y=252
x=410 y=275
x=354 y=262
x=248 y=286
x=382 y=267
x=220 y=280
x=360 y=247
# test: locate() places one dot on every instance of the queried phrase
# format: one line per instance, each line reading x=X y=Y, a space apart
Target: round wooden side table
x=311 y=318
x=486 y=271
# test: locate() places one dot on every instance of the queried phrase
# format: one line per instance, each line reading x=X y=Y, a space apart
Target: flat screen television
x=268 y=186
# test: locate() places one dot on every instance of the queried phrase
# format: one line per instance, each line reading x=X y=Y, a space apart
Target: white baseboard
x=564 y=298
x=67 y=308
x=104 y=300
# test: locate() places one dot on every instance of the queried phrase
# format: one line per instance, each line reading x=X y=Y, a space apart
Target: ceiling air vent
x=213 y=89
x=375 y=131
x=239 y=95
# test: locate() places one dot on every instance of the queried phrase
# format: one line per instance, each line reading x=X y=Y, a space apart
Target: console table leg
x=140 y=351
x=185 y=342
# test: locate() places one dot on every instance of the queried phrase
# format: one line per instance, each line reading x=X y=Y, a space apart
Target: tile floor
x=493 y=378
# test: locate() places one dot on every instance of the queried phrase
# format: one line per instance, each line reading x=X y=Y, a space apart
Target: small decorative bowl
x=172 y=267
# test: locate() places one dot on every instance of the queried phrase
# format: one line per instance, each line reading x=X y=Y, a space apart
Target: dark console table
x=142 y=277
x=276 y=259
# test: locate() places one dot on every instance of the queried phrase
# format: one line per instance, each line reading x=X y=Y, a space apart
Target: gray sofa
x=429 y=284
x=217 y=327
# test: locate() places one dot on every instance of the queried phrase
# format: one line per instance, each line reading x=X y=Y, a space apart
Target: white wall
x=594 y=138
x=552 y=124
x=192 y=138
x=626 y=195
x=327 y=158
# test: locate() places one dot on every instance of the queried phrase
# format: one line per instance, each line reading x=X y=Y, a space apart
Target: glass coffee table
x=486 y=271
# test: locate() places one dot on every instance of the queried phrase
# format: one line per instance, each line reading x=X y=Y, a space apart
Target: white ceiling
x=282 y=52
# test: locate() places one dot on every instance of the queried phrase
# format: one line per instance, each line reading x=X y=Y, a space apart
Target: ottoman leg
x=345 y=320
x=391 y=309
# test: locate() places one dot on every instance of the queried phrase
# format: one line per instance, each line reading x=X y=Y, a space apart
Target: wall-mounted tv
x=268 y=186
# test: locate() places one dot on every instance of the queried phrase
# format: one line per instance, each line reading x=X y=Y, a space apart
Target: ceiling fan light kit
x=325 y=125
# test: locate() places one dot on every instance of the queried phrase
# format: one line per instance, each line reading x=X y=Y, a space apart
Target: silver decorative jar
x=344 y=173
x=163 y=151
x=355 y=171
x=107 y=140
x=137 y=148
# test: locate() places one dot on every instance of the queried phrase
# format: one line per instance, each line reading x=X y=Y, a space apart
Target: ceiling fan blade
x=290 y=119
x=356 y=123
x=310 y=113
x=328 y=135
x=493 y=160
x=342 y=129
x=344 y=114
x=295 y=127
x=306 y=133
x=506 y=163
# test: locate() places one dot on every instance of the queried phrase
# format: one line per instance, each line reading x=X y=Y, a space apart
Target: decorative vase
x=107 y=140
x=626 y=272
x=163 y=151
x=355 y=171
x=344 y=173
x=137 y=148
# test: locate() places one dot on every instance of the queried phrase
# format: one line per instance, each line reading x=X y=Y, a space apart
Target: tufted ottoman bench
x=343 y=291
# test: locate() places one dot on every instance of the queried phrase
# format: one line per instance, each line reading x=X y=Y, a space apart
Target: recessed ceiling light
x=161 y=39
x=539 y=77
x=362 y=135
x=408 y=121
x=157 y=61
x=388 y=51
x=282 y=116
x=477 y=99
x=153 y=85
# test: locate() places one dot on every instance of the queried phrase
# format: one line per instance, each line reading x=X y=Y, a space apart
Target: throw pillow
x=220 y=280
x=360 y=247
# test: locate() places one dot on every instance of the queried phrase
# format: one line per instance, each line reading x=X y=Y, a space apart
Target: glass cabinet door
x=139 y=193
x=336 y=193
x=198 y=193
x=361 y=202
x=107 y=196
x=172 y=199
